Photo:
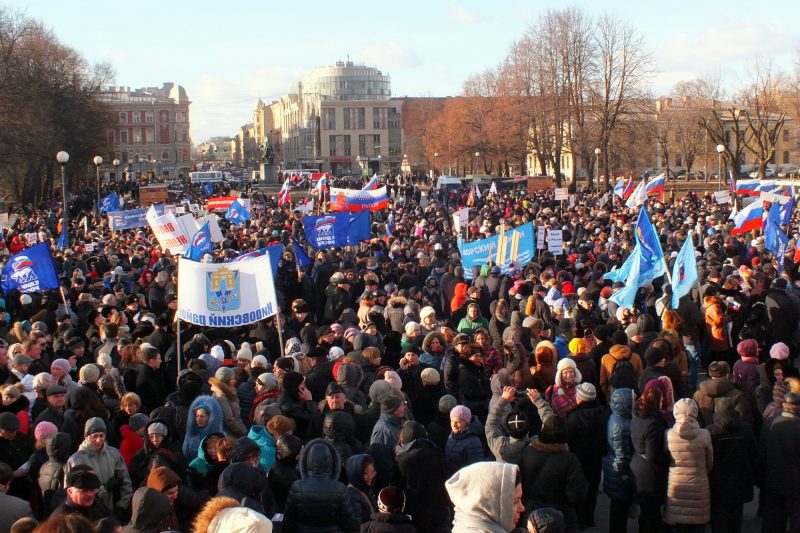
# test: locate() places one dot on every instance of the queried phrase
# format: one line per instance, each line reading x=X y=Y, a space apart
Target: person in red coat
x=132 y=437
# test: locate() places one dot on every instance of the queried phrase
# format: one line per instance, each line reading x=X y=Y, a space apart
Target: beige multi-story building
x=151 y=129
x=339 y=119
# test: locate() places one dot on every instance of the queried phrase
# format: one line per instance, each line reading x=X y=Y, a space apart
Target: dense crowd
x=396 y=392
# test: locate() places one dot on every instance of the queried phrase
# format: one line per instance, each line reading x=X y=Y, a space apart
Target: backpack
x=623 y=376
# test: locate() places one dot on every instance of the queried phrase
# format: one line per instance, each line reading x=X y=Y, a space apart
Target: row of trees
x=48 y=102
x=574 y=83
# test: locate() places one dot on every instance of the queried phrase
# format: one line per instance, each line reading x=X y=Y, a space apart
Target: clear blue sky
x=227 y=54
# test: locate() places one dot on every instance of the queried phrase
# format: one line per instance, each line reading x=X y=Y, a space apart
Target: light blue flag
x=684 y=272
x=201 y=244
x=237 y=213
x=621 y=274
x=625 y=296
x=651 y=251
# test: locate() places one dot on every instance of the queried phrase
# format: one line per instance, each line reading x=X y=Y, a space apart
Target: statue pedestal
x=267 y=172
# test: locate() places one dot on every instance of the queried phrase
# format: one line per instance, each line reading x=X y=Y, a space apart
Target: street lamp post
x=97 y=162
x=379 y=164
x=597 y=166
x=62 y=157
x=535 y=154
x=116 y=169
x=720 y=149
x=477 y=155
x=435 y=155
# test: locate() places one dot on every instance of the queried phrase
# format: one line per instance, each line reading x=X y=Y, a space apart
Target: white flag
x=638 y=196
x=493 y=188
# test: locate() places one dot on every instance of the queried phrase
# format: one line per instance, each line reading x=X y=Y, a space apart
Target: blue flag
x=300 y=255
x=786 y=211
x=684 y=272
x=31 y=270
x=621 y=274
x=109 y=203
x=63 y=238
x=275 y=254
x=358 y=228
x=626 y=296
x=237 y=213
x=327 y=231
x=208 y=189
x=200 y=244
x=775 y=240
x=652 y=254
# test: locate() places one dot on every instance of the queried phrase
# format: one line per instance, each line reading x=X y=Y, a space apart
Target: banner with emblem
x=30 y=270
x=226 y=294
x=511 y=248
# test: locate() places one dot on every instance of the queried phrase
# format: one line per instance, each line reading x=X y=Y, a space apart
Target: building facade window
x=376 y=144
x=332 y=144
x=786 y=156
x=786 y=136
x=123 y=137
x=137 y=135
x=123 y=117
x=362 y=145
x=137 y=117
x=329 y=119
x=180 y=116
x=361 y=121
x=346 y=149
x=379 y=118
x=346 y=117
x=148 y=117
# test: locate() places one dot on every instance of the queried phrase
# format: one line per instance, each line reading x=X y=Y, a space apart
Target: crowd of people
x=397 y=392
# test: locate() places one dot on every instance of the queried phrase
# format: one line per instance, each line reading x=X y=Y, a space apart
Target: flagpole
x=178 y=355
x=697 y=280
x=279 y=327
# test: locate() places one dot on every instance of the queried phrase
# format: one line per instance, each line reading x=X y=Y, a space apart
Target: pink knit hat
x=779 y=351
x=44 y=430
x=462 y=413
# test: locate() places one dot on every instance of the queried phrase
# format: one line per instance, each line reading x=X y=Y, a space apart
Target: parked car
x=768 y=173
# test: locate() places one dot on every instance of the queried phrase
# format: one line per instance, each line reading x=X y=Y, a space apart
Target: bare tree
x=763 y=115
x=622 y=72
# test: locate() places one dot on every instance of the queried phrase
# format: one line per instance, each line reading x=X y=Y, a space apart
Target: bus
x=213 y=176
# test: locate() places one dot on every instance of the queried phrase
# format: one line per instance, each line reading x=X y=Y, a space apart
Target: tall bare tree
x=48 y=102
x=623 y=70
x=764 y=117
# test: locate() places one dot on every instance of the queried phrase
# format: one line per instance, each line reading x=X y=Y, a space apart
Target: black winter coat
x=389 y=523
x=649 y=463
x=586 y=425
x=735 y=461
x=422 y=478
x=552 y=477
x=781 y=464
x=318 y=503
x=474 y=389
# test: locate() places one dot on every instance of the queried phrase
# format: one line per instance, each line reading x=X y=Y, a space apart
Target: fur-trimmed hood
x=218 y=388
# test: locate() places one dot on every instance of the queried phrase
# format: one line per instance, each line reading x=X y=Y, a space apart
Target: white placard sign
x=555 y=243
x=461 y=217
x=540 y=238
x=170 y=234
x=572 y=200
x=562 y=193
x=722 y=197
x=213 y=226
x=89 y=247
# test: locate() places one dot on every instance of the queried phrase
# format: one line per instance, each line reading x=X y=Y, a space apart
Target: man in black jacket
x=149 y=386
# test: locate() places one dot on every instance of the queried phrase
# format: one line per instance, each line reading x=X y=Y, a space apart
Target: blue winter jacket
x=463 y=448
x=618 y=480
x=266 y=442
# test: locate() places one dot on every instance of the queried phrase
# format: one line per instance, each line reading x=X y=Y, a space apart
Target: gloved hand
x=114 y=482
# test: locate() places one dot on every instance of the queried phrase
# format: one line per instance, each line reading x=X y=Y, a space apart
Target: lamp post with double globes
x=97 y=162
x=720 y=149
x=63 y=157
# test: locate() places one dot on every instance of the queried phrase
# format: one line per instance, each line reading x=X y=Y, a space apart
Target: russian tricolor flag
x=619 y=188
x=322 y=185
x=766 y=186
x=372 y=184
x=629 y=188
x=283 y=195
x=656 y=186
x=749 y=218
x=747 y=187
